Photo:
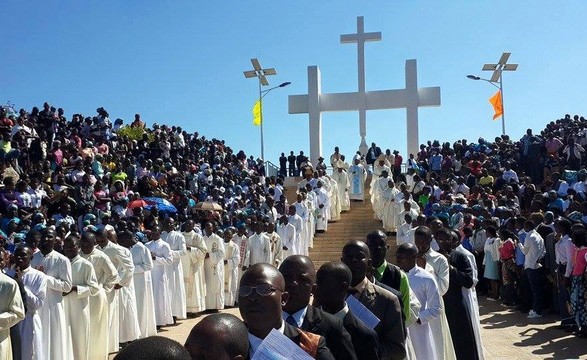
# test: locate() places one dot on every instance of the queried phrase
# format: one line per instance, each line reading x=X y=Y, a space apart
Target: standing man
x=77 y=300
x=231 y=261
x=57 y=268
x=259 y=246
x=382 y=303
x=107 y=277
x=174 y=270
x=214 y=269
x=323 y=210
x=341 y=177
x=11 y=313
x=291 y=161
x=276 y=244
x=193 y=269
x=357 y=175
x=287 y=234
x=161 y=256
x=242 y=241
x=283 y=165
x=533 y=249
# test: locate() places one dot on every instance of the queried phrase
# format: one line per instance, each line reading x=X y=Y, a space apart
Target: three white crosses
x=410 y=98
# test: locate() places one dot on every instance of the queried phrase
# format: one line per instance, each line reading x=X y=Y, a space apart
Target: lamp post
x=497 y=79
x=261 y=74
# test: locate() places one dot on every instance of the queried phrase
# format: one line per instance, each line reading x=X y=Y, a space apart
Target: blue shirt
x=298 y=316
x=467 y=244
x=520 y=257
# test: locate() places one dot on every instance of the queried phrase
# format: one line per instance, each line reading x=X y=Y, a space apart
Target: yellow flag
x=257 y=115
x=497 y=103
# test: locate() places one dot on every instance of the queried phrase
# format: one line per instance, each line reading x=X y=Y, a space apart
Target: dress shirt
x=564 y=250
x=298 y=316
x=255 y=342
x=342 y=313
x=533 y=248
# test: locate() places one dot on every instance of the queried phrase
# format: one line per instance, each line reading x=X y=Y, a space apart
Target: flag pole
x=261 y=115
x=502 y=106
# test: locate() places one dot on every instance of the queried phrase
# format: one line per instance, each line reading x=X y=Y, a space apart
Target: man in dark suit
x=300 y=282
x=261 y=295
x=332 y=282
x=291 y=161
x=382 y=303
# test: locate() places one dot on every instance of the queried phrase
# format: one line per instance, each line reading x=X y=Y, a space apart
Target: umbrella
x=209 y=205
x=160 y=204
x=137 y=203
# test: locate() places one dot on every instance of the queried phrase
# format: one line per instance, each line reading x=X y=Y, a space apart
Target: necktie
x=290 y=320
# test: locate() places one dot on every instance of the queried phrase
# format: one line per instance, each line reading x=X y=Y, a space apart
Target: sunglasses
x=263 y=290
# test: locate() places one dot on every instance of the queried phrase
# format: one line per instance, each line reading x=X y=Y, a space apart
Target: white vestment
x=77 y=306
x=342 y=180
x=424 y=286
x=386 y=204
x=177 y=244
x=323 y=209
x=160 y=249
x=232 y=257
x=375 y=188
x=259 y=249
x=276 y=248
x=31 y=328
x=128 y=315
x=214 y=272
x=300 y=246
x=405 y=234
x=56 y=339
x=335 y=200
x=306 y=227
x=107 y=277
x=243 y=246
x=145 y=303
x=312 y=205
x=357 y=177
x=440 y=330
x=378 y=202
x=193 y=272
x=287 y=234
x=11 y=312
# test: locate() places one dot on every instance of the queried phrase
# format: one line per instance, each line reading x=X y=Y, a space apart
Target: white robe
x=342 y=180
x=276 y=248
x=107 y=277
x=128 y=316
x=405 y=234
x=31 y=328
x=243 y=245
x=440 y=330
x=11 y=312
x=424 y=286
x=381 y=186
x=259 y=249
x=214 y=272
x=287 y=233
x=145 y=304
x=300 y=246
x=174 y=270
x=162 y=252
x=335 y=201
x=193 y=272
x=386 y=202
x=357 y=177
x=77 y=306
x=312 y=205
x=306 y=227
x=56 y=339
x=324 y=211
x=232 y=258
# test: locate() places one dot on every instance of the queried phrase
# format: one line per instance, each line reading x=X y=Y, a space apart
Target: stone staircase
x=353 y=224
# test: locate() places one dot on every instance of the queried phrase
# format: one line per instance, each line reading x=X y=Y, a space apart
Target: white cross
x=360 y=38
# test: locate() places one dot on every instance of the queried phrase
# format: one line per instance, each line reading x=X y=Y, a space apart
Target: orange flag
x=497 y=103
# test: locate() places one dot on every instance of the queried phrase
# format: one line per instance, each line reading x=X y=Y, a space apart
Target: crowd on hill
x=114 y=230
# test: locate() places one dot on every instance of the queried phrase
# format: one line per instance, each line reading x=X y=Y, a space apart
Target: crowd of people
x=111 y=231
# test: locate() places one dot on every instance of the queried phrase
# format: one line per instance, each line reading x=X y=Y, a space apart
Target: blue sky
x=182 y=63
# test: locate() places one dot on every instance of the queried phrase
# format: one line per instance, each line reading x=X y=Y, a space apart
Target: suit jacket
x=392 y=276
x=386 y=307
x=364 y=338
x=323 y=353
x=332 y=329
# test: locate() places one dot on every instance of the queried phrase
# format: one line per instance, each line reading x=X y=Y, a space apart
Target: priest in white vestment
x=342 y=180
x=424 y=287
x=57 y=268
x=306 y=230
x=276 y=244
x=35 y=289
x=386 y=201
x=11 y=313
x=335 y=200
x=193 y=269
x=287 y=234
x=323 y=210
x=107 y=277
x=357 y=177
x=300 y=246
x=259 y=246
x=178 y=247
x=379 y=167
x=381 y=185
x=77 y=300
x=231 y=261
x=439 y=264
x=405 y=232
x=143 y=284
x=214 y=269
x=242 y=241
x=161 y=256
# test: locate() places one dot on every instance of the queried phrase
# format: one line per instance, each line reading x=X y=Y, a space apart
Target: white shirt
x=255 y=342
x=298 y=316
x=564 y=250
x=533 y=248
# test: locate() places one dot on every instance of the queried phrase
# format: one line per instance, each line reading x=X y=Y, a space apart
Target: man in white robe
x=300 y=246
x=143 y=284
x=161 y=256
x=178 y=247
x=335 y=200
x=107 y=277
x=342 y=180
x=57 y=268
x=405 y=233
x=11 y=313
x=287 y=234
x=379 y=167
x=424 y=287
x=381 y=185
x=77 y=300
x=386 y=202
x=305 y=232
x=444 y=347
x=231 y=262
x=323 y=210
x=407 y=210
x=35 y=288
x=357 y=177
x=276 y=244
x=193 y=269
x=242 y=241
x=259 y=246
x=122 y=261
x=214 y=269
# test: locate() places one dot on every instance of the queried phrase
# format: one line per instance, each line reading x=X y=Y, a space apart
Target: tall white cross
x=410 y=98
x=360 y=38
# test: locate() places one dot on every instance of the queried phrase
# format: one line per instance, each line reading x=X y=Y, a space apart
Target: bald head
x=405 y=256
x=356 y=255
x=219 y=336
x=332 y=282
x=299 y=274
x=153 y=348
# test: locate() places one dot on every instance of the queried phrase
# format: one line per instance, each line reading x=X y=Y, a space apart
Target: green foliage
x=133 y=133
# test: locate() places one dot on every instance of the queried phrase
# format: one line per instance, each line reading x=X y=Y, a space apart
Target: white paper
x=277 y=346
x=361 y=312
